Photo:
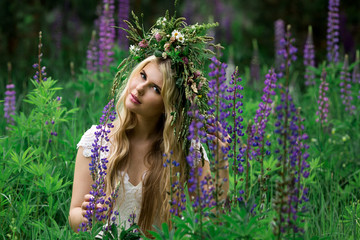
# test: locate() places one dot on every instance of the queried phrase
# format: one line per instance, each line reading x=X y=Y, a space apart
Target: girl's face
x=144 y=93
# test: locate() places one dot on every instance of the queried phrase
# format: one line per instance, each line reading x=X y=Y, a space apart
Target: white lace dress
x=129 y=197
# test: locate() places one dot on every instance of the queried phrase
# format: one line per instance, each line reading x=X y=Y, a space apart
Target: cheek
x=132 y=84
x=159 y=103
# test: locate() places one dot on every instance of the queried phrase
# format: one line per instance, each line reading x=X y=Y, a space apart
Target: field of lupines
x=293 y=155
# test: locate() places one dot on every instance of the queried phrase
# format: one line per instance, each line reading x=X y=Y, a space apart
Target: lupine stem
x=235 y=139
x=299 y=156
x=262 y=178
x=285 y=135
x=247 y=181
x=217 y=159
x=39 y=56
x=171 y=183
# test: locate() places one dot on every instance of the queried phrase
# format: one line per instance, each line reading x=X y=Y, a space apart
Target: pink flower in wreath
x=158 y=36
x=143 y=43
x=197 y=74
x=167 y=46
x=186 y=60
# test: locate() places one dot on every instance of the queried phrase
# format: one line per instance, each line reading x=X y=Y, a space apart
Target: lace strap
x=87 y=141
x=199 y=148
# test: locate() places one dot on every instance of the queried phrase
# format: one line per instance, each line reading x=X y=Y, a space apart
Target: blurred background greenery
x=67 y=27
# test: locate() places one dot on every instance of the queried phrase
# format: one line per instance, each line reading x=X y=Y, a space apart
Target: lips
x=134 y=99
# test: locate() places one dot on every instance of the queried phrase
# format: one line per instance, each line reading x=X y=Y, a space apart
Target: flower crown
x=186 y=47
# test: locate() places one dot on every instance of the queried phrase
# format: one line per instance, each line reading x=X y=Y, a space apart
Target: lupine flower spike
x=106 y=35
x=279 y=35
x=235 y=103
x=92 y=54
x=10 y=99
x=98 y=168
x=323 y=100
x=345 y=87
x=40 y=74
x=291 y=156
x=356 y=72
x=123 y=14
x=258 y=128
x=287 y=51
x=333 y=31
x=177 y=195
x=255 y=64
x=309 y=59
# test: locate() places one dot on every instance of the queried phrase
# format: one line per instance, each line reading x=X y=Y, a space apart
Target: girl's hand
x=219 y=136
x=85 y=206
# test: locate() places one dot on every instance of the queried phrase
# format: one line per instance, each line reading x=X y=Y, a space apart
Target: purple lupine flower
x=189 y=11
x=279 y=27
x=97 y=167
x=292 y=158
x=131 y=218
x=218 y=103
x=345 y=87
x=224 y=15
x=258 y=144
x=218 y=10
x=9 y=104
x=235 y=131
x=309 y=59
x=106 y=35
x=177 y=194
x=287 y=51
x=298 y=168
x=92 y=54
x=207 y=193
x=123 y=14
x=356 y=71
x=263 y=112
x=40 y=74
x=56 y=30
x=255 y=64
x=323 y=100
x=333 y=31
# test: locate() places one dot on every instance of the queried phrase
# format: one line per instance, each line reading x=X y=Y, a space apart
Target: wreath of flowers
x=186 y=46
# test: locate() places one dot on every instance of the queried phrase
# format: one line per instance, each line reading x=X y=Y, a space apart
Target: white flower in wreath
x=178 y=36
x=134 y=49
x=181 y=38
x=161 y=21
x=154 y=31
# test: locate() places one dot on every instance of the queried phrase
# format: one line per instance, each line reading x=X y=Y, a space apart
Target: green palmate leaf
x=51 y=185
x=130 y=233
x=19 y=161
x=37 y=169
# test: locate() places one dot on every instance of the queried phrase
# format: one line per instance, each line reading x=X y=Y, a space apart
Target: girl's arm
x=81 y=188
x=222 y=175
x=223 y=170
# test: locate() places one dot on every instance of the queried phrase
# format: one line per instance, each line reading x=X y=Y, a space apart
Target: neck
x=145 y=129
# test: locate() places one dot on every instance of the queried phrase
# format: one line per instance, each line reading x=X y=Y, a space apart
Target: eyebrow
x=143 y=71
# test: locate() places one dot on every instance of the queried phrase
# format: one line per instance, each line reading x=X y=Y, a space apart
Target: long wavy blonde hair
x=156 y=185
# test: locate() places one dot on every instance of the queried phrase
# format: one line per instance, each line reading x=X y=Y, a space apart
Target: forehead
x=153 y=73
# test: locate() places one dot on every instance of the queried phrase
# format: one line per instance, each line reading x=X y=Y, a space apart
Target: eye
x=143 y=75
x=156 y=89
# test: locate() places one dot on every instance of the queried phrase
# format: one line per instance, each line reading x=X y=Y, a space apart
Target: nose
x=140 y=88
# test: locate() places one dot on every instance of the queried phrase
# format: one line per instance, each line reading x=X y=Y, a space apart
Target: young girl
x=145 y=129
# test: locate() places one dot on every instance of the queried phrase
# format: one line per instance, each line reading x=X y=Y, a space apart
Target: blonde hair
x=156 y=184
